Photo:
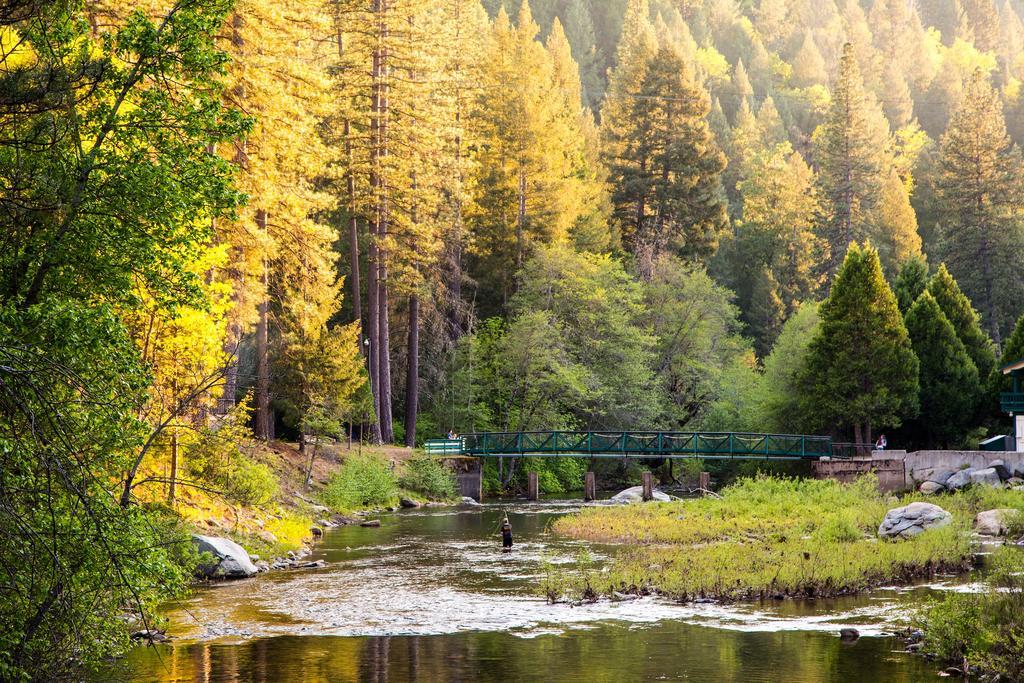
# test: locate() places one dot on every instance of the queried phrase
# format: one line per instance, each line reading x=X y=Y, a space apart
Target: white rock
x=931 y=488
x=635 y=494
x=230 y=559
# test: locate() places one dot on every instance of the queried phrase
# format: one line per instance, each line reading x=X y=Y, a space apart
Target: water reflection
x=607 y=652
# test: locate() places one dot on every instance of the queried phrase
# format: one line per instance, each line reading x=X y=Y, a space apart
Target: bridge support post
x=704 y=482
x=589 y=486
x=648 y=485
x=532 y=486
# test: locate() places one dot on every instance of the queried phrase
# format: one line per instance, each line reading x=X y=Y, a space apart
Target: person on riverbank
x=881 y=443
x=506 y=535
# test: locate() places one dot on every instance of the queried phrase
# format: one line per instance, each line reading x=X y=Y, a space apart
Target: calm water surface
x=428 y=596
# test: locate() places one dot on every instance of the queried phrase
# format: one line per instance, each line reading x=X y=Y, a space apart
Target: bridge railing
x=698 y=444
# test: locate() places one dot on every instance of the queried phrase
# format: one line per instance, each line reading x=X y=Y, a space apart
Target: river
x=428 y=596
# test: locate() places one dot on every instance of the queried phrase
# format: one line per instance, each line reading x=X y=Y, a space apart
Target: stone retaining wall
x=922 y=464
x=891 y=472
x=899 y=470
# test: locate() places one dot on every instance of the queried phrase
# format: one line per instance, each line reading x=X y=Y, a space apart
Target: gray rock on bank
x=959 y=480
x=940 y=476
x=986 y=477
x=931 y=488
x=1001 y=469
x=910 y=520
x=993 y=522
x=635 y=494
x=230 y=561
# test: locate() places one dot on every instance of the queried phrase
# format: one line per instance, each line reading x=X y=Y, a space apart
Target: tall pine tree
x=978 y=193
x=861 y=370
x=851 y=151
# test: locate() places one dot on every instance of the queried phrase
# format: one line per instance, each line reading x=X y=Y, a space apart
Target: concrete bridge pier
x=704 y=483
x=589 y=486
x=648 y=485
x=532 y=486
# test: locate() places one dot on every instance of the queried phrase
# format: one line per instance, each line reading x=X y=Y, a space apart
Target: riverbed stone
x=230 y=561
x=409 y=503
x=931 y=488
x=959 y=480
x=1001 y=469
x=635 y=494
x=986 y=477
x=993 y=522
x=910 y=520
x=370 y=522
x=849 y=634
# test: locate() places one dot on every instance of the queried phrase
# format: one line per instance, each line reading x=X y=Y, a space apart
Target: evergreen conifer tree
x=664 y=166
x=979 y=192
x=949 y=384
x=861 y=371
x=910 y=282
x=851 y=148
x=895 y=225
x=958 y=310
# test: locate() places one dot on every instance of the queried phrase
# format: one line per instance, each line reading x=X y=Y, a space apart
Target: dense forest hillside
x=387 y=219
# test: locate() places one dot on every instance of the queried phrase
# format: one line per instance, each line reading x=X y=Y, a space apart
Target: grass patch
x=770 y=537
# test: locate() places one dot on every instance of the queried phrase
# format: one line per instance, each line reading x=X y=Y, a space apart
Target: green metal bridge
x=706 y=445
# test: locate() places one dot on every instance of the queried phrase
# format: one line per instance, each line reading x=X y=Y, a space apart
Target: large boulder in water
x=230 y=561
x=635 y=494
x=910 y=520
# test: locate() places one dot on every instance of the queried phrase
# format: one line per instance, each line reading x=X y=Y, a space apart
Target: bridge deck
x=708 y=445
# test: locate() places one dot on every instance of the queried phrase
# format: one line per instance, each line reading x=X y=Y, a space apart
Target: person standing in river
x=506 y=535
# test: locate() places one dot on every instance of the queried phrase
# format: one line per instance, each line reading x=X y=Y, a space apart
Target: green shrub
x=361 y=481
x=986 y=629
x=429 y=477
x=251 y=483
x=838 y=528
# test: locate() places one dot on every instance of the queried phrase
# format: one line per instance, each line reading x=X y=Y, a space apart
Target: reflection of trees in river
x=605 y=653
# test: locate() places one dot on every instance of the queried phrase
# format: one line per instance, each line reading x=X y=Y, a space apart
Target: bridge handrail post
x=661 y=443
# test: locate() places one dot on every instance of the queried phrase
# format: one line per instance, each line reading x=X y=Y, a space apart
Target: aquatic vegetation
x=769 y=537
x=982 y=630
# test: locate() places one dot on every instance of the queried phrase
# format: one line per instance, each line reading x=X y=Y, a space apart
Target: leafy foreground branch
x=766 y=538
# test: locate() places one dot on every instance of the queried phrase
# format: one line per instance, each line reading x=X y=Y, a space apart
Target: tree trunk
x=387 y=433
x=412 y=383
x=264 y=419
x=172 y=485
x=857 y=437
x=379 y=153
x=312 y=459
x=353 y=236
x=521 y=219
